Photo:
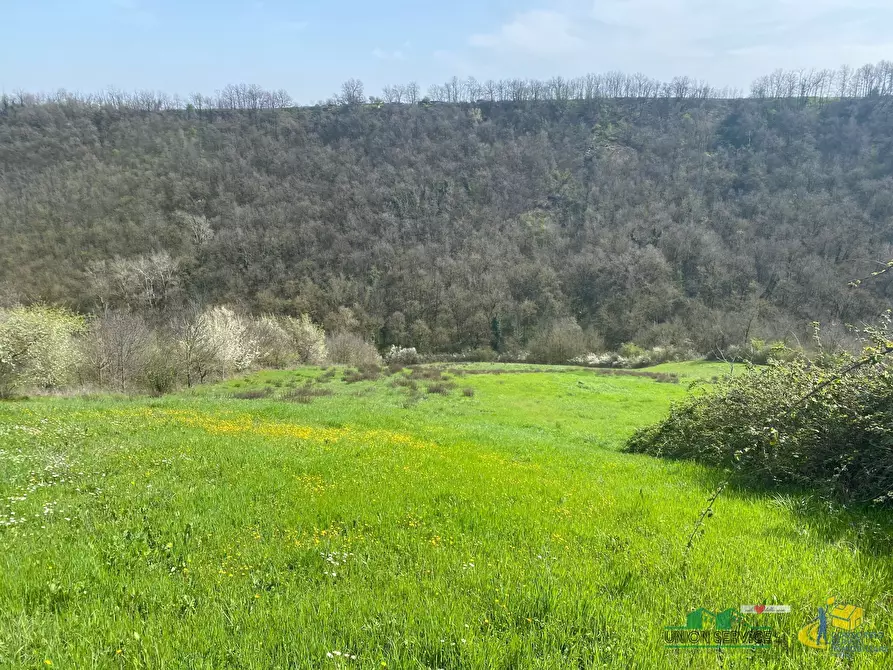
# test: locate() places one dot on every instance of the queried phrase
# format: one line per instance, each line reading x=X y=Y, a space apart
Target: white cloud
x=687 y=19
x=725 y=41
x=388 y=55
x=538 y=33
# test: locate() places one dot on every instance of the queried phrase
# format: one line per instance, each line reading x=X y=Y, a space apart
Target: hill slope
x=656 y=220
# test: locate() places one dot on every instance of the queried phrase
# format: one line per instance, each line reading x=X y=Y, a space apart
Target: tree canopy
x=650 y=212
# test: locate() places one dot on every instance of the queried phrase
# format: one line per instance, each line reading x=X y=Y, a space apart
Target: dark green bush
x=768 y=429
x=305 y=394
x=425 y=373
x=363 y=374
x=441 y=388
x=254 y=394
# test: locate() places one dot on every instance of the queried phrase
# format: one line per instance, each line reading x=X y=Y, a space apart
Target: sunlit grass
x=405 y=528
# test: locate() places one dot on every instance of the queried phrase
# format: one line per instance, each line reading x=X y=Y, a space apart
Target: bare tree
x=535 y=90
x=490 y=90
x=116 y=349
x=412 y=92
x=471 y=89
x=352 y=92
x=195 y=354
x=145 y=281
x=199 y=228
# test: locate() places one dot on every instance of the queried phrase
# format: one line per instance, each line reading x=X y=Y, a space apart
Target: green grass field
x=494 y=526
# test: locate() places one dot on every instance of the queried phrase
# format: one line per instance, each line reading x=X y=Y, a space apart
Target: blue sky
x=309 y=48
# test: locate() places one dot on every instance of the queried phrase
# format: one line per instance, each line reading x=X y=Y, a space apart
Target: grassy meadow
x=459 y=516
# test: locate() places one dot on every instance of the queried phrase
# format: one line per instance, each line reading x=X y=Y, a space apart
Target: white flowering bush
x=37 y=347
x=285 y=341
x=402 y=355
x=595 y=360
x=273 y=342
x=229 y=338
x=219 y=342
x=216 y=341
x=613 y=360
x=306 y=339
x=633 y=356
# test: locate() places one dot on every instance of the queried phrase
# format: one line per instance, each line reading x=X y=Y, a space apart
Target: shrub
x=37 y=347
x=365 y=373
x=671 y=353
x=349 y=349
x=633 y=356
x=563 y=341
x=214 y=342
x=426 y=372
x=757 y=352
x=229 y=340
x=513 y=356
x=468 y=392
x=401 y=356
x=160 y=374
x=412 y=399
x=254 y=394
x=326 y=377
x=766 y=427
x=630 y=350
x=760 y=352
x=305 y=394
x=405 y=382
x=285 y=341
x=440 y=388
x=307 y=339
x=606 y=360
x=274 y=344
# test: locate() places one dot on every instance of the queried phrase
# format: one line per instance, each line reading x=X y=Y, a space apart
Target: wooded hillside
x=447 y=226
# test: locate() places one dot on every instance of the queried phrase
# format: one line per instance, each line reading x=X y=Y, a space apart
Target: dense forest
x=474 y=217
